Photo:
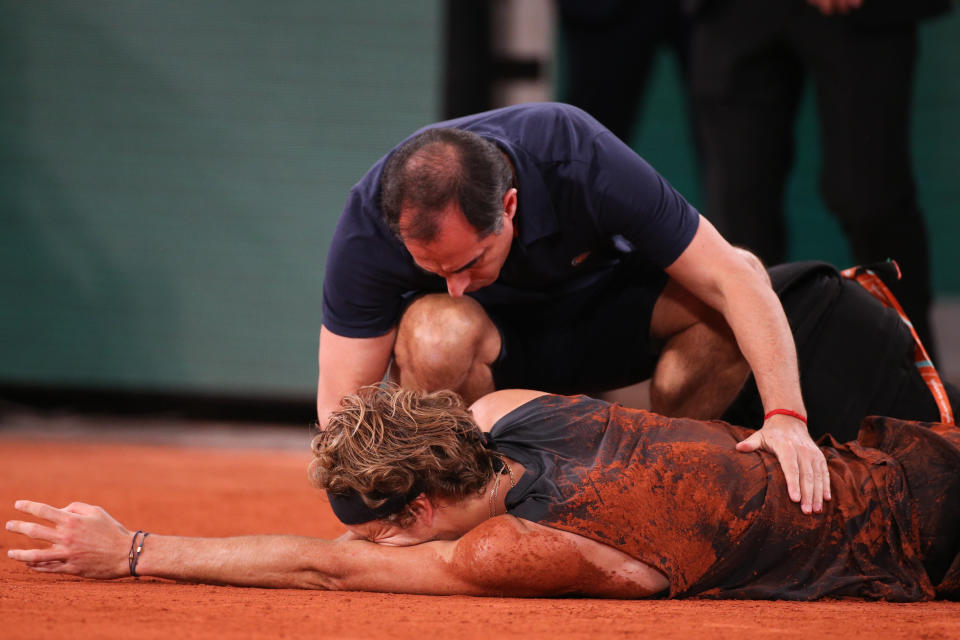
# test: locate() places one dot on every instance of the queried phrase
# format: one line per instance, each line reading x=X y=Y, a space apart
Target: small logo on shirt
x=578 y=259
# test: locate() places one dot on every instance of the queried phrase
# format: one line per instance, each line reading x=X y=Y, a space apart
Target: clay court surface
x=221 y=480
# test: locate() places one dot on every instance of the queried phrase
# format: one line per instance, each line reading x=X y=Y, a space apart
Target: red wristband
x=786 y=412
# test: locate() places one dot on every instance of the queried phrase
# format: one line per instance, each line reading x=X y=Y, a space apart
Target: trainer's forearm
x=756 y=317
x=250 y=561
x=734 y=283
x=346 y=364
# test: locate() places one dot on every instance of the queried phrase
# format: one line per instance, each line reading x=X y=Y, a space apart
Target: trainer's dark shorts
x=587 y=341
x=856 y=356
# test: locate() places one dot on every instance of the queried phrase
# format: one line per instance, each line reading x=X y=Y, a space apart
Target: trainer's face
x=459 y=255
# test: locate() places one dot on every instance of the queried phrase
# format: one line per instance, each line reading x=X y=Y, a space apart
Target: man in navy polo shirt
x=529 y=247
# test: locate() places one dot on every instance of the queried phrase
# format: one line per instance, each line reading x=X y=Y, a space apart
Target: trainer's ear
x=510 y=203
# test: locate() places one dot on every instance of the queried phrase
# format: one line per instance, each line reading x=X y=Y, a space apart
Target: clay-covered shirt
x=676 y=495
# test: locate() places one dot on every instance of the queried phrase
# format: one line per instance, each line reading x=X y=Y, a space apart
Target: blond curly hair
x=384 y=440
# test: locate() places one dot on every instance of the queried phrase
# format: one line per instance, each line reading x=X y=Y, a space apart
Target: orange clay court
x=198 y=479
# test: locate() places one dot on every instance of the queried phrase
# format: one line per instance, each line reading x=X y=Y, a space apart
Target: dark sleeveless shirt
x=676 y=495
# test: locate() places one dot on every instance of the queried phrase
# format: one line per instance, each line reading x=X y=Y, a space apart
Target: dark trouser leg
x=864 y=80
x=746 y=86
x=609 y=52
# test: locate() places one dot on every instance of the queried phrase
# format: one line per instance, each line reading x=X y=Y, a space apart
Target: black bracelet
x=135 y=550
x=133 y=547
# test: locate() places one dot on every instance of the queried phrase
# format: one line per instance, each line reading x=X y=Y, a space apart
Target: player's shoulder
x=493 y=406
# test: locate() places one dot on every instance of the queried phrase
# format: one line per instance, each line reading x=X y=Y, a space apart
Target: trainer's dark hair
x=440 y=166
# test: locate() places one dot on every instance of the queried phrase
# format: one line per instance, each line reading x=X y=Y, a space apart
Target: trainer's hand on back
x=84 y=540
x=803 y=463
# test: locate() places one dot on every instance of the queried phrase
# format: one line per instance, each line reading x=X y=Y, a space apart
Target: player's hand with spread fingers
x=803 y=463
x=84 y=540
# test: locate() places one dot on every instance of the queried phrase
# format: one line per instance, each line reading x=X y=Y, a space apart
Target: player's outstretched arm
x=86 y=541
x=492 y=559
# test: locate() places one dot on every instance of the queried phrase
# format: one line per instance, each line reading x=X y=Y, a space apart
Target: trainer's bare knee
x=446 y=343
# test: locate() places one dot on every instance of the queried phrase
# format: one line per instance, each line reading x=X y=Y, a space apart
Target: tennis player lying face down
x=451 y=537
x=549 y=495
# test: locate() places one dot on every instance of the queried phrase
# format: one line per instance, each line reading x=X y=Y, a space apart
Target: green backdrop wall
x=170 y=173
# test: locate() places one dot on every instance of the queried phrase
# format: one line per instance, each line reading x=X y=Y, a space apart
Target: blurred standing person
x=610 y=47
x=748 y=62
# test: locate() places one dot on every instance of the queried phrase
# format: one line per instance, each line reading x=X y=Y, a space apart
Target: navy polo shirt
x=586 y=202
